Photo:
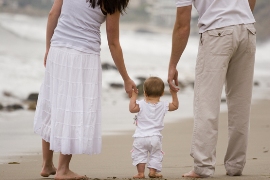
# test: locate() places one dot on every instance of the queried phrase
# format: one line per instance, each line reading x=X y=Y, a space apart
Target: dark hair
x=110 y=6
x=154 y=87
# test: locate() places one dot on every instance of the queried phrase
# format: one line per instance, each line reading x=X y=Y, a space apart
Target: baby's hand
x=134 y=93
x=173 y=92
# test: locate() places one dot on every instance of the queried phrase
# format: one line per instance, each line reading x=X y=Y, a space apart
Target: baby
x=147 y=146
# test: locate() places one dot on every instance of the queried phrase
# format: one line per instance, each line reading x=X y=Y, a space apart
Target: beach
x=115 y=162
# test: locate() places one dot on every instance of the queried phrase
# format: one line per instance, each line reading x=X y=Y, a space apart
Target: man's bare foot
x=69 y=176
x=191 y=174
x=139 y=176
x=47 y=171
x=155 y=175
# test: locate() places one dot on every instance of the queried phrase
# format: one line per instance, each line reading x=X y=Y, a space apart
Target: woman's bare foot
x=191 y=174
x=155 y=175
x=47 y=171
x=69 y=176
x=139 y=176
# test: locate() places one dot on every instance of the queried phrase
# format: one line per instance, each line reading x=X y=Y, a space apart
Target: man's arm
x=179 y=41
x=252 y=4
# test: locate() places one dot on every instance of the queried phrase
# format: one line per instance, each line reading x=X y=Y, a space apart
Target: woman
x=68 y=116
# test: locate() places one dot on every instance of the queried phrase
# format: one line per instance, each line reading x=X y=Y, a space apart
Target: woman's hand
x=130 y=86
x=45 y=58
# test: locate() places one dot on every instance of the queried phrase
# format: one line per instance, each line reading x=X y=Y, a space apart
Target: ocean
x=22 y=48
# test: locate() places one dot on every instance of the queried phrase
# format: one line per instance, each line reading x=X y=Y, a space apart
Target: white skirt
x=68 y=113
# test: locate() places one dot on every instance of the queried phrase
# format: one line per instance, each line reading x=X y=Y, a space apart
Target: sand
x=115 y=162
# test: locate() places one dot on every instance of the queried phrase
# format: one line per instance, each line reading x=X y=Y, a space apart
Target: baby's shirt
x=150 y=118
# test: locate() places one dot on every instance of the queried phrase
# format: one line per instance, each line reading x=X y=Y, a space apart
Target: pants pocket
x=251 y=46
x=220 y=41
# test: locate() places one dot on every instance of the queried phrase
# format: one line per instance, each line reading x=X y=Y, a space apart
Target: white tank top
x=215 y=14
x=150 y=118
x=79 y=27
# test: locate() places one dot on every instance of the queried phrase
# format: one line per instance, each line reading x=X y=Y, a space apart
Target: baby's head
x=153 y=87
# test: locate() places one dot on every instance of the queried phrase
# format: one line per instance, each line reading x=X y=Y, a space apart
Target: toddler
x=147 y=146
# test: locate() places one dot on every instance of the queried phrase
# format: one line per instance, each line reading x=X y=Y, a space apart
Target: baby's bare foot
x=69 y=176
x=155 y=175
x=191 y=174
x=47 y=171
x=139 y=176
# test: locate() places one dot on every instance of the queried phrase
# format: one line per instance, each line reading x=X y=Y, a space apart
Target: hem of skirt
x=38 y=133
x=73 y=153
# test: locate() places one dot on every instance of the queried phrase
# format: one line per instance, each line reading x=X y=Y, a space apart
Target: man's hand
x=173 y=79
x=130 y=86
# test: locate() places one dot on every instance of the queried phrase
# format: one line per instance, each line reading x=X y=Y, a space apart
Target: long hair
x=110 y=6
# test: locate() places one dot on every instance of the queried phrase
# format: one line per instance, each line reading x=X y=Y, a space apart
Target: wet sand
x=115 y=162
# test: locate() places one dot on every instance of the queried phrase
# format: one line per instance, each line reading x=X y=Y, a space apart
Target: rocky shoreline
x=10 y=102
x=14 y=103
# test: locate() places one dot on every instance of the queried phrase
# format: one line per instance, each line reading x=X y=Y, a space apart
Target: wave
x=32 y=28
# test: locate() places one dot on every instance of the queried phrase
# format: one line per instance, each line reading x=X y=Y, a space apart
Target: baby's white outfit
x=147 y=137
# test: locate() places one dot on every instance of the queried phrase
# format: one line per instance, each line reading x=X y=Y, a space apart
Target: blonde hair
x=153 y=86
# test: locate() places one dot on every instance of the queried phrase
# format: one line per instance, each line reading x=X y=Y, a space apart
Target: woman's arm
x=133 y=107
x=112 y=28
x=51 y=24
x=252 y=4
x=174 y=104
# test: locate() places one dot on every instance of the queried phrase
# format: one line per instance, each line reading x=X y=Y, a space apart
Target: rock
x=256 y=83
x=142 y=79
x=144 y=30
x=140 y=89
x=14 y=107
x=192 y=84
x=32 y=106
x=1 y=106
x=223 y=100
x=7 y=94
x=181 y=85
x=33 y=97
x=116 y=85
x=107 y=66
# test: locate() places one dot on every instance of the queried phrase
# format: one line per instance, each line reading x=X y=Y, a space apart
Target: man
x=226 y=56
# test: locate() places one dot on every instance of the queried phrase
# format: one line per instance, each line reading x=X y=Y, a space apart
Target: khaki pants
x=226 y=56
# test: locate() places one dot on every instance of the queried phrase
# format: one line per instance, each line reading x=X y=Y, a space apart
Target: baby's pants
x=148 y=149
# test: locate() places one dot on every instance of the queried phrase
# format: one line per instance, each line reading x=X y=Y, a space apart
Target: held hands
x=174 y=92
x=173 y=79
x=130 y=87
x=134 y=93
